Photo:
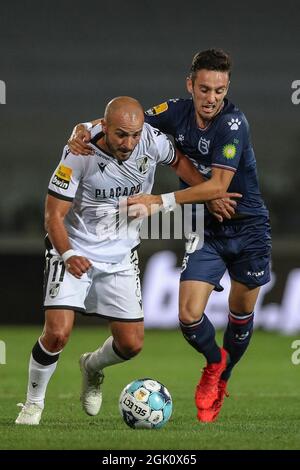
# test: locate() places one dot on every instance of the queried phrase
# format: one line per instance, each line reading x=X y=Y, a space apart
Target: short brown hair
x=211 y=59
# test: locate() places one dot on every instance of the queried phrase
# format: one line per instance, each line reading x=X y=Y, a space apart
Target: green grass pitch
x=262 y=412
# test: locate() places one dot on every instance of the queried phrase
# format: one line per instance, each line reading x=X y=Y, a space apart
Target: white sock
x=39 y=377
x=103 y=357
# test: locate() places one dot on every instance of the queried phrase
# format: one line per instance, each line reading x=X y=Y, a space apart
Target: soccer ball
x=145 y=403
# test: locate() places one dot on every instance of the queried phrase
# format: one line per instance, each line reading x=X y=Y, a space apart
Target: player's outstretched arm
x=184 y=169
x=215 y=188
x=55 y=212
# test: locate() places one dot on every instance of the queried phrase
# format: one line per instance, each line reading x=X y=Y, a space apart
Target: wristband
x=169 y=202
x=67 y=254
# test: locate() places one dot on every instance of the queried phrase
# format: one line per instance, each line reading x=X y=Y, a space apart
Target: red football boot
x=207 y=390
x=222 y=394
x=211 y=414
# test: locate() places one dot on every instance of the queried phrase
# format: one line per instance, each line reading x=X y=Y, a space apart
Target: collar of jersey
x=94 y=141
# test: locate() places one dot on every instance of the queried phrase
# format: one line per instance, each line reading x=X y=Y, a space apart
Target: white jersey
x=96 y=183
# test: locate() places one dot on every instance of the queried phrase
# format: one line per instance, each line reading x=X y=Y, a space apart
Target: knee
x=131 y=347
x=188 y=313
x=55 y=340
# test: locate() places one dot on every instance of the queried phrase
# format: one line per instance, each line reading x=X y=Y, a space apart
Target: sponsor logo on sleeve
x=62 y=177
x=160 y=108
x=229 y=151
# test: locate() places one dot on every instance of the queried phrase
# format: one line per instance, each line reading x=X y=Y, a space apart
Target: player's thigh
x=242 y=298
x=249 y=250
x=127 y=330
x=128 y=336
x=59 y=321
x=193 y=297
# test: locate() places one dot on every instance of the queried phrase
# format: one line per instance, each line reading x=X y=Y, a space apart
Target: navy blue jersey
x=224 y=143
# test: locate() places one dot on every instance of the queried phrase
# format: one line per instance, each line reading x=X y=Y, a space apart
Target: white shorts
x=112 y=291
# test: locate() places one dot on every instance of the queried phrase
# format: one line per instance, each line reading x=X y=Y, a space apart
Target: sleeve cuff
x=60 y=196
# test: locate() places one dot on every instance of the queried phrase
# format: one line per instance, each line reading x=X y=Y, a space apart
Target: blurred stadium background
x=62 y=61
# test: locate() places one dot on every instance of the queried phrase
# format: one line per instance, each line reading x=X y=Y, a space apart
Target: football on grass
x=145 y=403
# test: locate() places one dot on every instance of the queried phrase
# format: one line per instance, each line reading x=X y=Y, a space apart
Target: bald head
x=122 y=126
x=126 y=109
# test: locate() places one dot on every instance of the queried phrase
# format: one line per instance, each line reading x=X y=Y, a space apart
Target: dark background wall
x=63 y=60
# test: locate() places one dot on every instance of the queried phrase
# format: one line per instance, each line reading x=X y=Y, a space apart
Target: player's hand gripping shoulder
x=78 y=141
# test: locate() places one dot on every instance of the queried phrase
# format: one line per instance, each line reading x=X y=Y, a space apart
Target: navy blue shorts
x=243 y=246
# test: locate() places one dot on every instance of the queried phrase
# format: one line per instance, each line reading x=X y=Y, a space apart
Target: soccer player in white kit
x=91 y=267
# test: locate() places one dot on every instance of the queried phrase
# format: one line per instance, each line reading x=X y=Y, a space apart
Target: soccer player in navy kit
x=214 y=134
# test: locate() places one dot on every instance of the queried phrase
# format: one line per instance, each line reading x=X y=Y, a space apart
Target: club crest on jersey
x=54 y=289
x=203 y=146
x=142 y=165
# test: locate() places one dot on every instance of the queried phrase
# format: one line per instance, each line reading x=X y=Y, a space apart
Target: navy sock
x=237 y=338
x=201 y=335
